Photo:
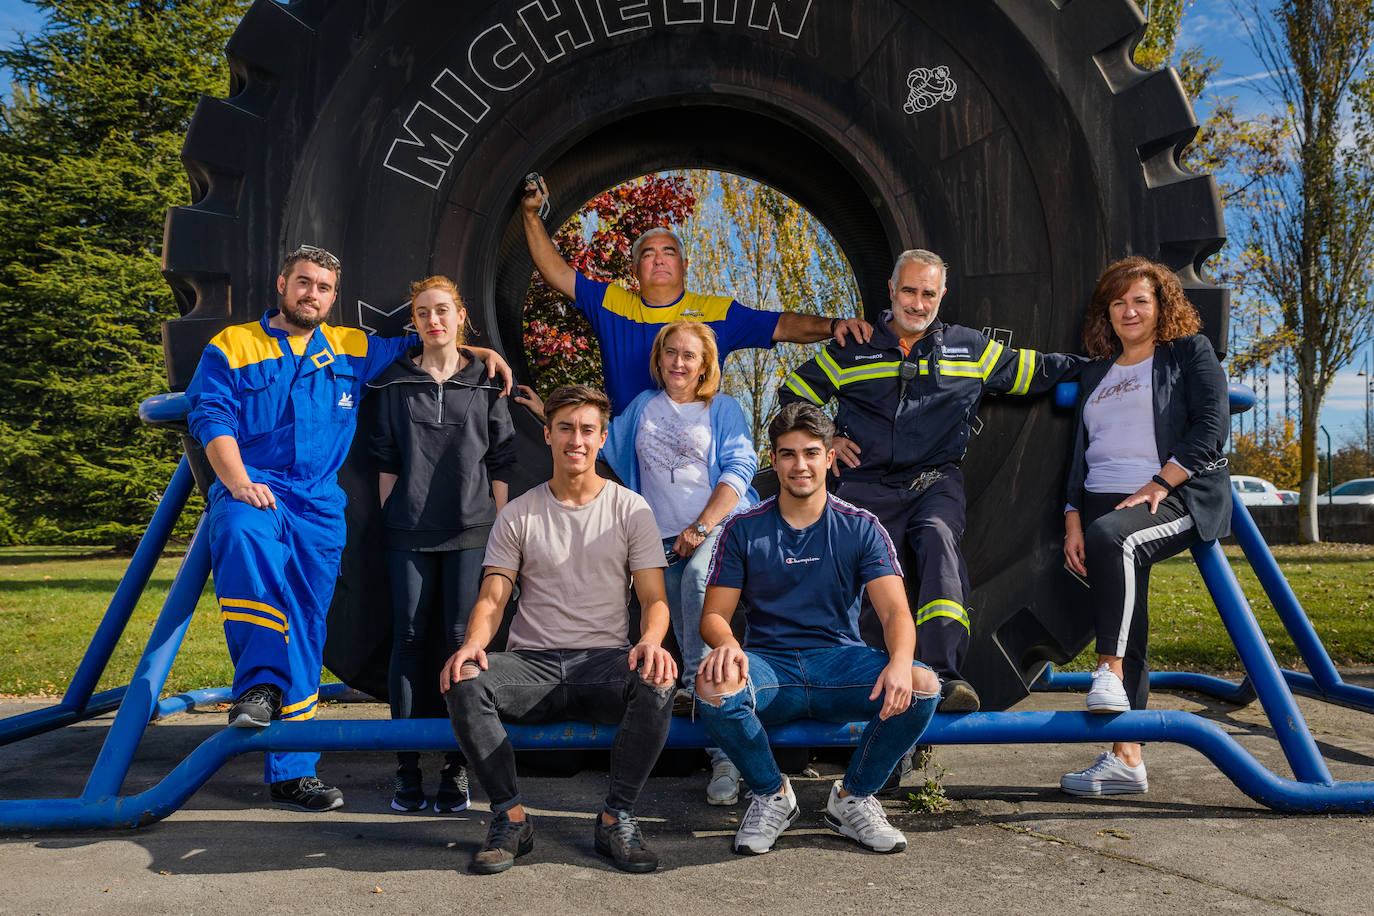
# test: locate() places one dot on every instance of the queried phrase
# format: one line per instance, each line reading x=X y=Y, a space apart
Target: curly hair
x=444 y=285
x=708 y=386
x=1176 y=315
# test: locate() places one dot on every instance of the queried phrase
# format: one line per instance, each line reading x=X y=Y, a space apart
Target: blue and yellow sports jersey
x=626 y=328
x=290 y=403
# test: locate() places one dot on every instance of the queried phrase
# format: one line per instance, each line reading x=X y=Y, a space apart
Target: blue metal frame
x=78 y=702
x=101 y=805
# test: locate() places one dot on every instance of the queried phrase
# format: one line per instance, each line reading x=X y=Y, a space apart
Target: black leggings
x=1120 y=546
x=431 y=595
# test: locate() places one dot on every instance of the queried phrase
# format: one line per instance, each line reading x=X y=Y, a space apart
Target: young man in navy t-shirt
x=797 y=564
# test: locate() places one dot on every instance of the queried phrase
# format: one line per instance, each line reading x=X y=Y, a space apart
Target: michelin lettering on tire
x=399 y=134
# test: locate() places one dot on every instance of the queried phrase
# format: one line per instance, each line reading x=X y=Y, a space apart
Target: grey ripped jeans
x=542 y=685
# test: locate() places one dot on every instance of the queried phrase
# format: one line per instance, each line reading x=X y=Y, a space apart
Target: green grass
x=52 y=599
x=1334 y=583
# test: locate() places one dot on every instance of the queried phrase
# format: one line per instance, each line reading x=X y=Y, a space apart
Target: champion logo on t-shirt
x=792 y=561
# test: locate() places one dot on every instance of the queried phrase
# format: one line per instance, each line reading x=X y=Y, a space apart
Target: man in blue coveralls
x=626 y=323
x=274 y=403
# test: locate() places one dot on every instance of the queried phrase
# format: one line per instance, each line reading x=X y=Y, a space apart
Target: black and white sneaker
x=453 y=789
x=410 y=792
x=307 y=794
x=256 y=707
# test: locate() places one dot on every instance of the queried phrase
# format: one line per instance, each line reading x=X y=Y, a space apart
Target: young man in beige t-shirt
x=575 y=542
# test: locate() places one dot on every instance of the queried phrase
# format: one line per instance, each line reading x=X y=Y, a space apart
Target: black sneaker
x=257 y=707
x=506 y=842
x=893 y=786
x=623 y=844
x=958 y=696
x=453 y=789
x=306 y=793
x=410 y=793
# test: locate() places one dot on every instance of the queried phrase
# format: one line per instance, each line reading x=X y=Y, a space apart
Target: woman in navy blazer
x=1148 y=479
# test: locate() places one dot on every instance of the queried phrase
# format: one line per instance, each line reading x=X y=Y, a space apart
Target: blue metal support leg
x=1324 y=681
x=1289 y=726
x=146 y=686
x=78 y=702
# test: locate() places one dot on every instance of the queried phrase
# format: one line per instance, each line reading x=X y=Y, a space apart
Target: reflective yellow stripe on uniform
x=801 y=389
x=253 y=606
x=249 y=618
x=305 y=709
x=979 y=369
x=943 y=607
x=1025 y=370
x=859 y=372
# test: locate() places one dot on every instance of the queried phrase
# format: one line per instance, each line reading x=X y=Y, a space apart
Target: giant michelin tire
x=1015 y=137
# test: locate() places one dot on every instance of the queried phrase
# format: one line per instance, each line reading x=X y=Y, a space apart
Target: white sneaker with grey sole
x=861 y=818
x=1108 y=694
x=723 y=787
x=1110 y=775
x=768 y=816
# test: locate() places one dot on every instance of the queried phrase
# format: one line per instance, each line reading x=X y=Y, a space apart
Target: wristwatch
x=701 y=529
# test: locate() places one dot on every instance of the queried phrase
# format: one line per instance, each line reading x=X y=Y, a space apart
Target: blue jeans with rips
x=829 y=684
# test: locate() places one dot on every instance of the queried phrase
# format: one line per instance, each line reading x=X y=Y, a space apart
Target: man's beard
x=298 y=318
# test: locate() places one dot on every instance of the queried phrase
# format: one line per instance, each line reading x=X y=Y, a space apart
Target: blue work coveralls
x=292 y=406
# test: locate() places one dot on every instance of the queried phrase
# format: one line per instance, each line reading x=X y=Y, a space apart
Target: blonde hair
x=445 y=285
x=709 y=384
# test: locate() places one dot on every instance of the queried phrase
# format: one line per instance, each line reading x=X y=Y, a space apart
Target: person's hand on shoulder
x=858 y=327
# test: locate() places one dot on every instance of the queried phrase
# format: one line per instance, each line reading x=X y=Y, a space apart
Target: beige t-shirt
x=574 y=564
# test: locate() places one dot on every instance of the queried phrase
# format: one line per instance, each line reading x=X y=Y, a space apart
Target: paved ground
x=1009 y=842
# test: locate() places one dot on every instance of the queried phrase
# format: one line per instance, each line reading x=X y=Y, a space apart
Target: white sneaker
x=861 y=818
x=1108 y=776
x=768 y=816
x=1108 y=694
x=723 y=788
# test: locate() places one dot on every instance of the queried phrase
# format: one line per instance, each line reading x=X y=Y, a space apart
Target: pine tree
x=90 y=145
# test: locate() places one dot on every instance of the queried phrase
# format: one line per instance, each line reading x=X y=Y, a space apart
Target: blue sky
x=1213 y=24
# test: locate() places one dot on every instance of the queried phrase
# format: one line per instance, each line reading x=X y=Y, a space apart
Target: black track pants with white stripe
x=1120 y=546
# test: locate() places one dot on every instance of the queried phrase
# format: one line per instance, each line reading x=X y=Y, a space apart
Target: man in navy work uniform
x=907 y=400
x=796 y=564
x=275 y=403
x=626 y=323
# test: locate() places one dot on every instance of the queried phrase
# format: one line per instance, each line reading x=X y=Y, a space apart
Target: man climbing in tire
x=274 y=403
x=625 y=323
x=907 y=401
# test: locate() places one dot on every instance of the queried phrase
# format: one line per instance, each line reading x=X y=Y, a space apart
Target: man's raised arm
x=550 y=264
x=804 y=329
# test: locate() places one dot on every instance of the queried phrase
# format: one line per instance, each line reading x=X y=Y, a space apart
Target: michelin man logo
x=928 y=87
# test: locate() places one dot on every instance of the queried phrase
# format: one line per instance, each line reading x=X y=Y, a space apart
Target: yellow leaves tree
x=752 y=242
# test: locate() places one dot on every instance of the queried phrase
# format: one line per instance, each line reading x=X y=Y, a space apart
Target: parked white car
x=1256 y=491
x=1290 y=497
x=1358 y=491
